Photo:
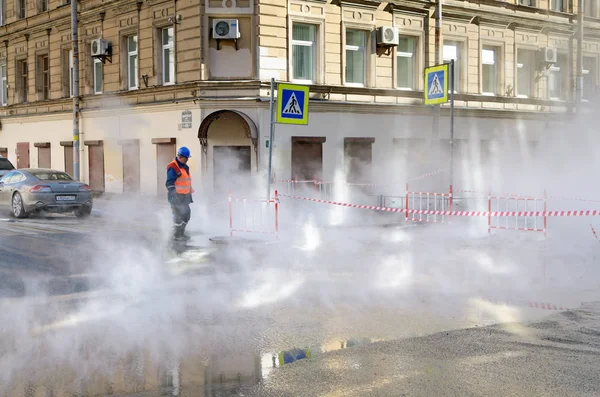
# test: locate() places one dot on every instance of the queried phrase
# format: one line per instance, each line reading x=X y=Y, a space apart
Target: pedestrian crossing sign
x=292 y=104
x=436 y=84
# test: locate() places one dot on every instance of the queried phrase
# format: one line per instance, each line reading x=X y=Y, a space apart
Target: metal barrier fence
x=254 y=215
x=430 y=201
x=516 y=204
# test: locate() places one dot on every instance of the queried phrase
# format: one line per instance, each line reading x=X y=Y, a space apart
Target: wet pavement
x=558 y=356
x=378 y=311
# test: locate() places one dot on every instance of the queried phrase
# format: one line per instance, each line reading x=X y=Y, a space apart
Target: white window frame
x=555 y=67
x=458 y=61
x=95 y=89
x=71 y=84
x=314 y=45
x=170 y=46
x=131 y=54
x=495 y=63
x=416 y=59
x=586 y=72
x=3 y=85
x=356 y=48
x=518 y=66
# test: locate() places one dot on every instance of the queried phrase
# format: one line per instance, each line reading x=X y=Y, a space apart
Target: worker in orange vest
x=179 y=186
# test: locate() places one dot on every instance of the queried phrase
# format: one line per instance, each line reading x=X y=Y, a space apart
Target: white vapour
x=331 y=274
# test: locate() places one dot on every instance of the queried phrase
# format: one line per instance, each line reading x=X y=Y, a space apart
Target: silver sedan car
x=28 y=190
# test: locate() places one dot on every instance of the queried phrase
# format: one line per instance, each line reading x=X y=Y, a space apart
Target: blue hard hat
x=184 y=151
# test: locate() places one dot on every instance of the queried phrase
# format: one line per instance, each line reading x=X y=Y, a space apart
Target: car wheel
x=17 y=206
x=83 y=212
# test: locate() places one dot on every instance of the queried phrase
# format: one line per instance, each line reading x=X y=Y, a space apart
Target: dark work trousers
x=181 y=215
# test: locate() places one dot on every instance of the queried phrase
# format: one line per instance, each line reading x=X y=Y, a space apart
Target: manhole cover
x=228 y=240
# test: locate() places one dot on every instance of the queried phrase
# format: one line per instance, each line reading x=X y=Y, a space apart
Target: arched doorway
x=229 y=140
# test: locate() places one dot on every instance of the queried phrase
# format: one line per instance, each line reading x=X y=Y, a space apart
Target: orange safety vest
x=183 y=183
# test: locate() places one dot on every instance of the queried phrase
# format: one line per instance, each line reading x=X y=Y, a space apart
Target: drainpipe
x=579 y=84
x=175 y=23
x=139 y=68
x=75 y=46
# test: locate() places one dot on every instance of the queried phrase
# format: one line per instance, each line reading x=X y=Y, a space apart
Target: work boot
x=178 y=233
x=184 y=235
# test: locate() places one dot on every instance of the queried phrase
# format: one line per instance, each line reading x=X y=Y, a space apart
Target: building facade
x=166 y=81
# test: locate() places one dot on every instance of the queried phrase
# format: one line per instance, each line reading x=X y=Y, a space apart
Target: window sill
x=357 y=85
x=488 y=94
x=303 y=81
x=404 y=89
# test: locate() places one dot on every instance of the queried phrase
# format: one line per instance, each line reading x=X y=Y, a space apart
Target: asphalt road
x=558 y=356
x=54 y=254
x=432 y=345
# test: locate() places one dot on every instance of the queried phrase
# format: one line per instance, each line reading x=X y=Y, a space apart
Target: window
x=98 y=76
x=71 y=75
x=590 y=8
x=589 y=70
x=525 y=72
x=168 y=56
x=42 y=6
x=3 y=85
x=2 y=12
x=21 y=7
x=558 y=5
x=304 y=52
x=555 y=82
x=43 y=77
x=529 y=3
x=489 y=71
x=406 y=62
x=452 y=50
x=132 y=63
x=356 y=56
x=22 y=80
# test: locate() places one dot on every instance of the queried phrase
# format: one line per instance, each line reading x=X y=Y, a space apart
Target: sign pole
x=451 y=123
x=271 y=134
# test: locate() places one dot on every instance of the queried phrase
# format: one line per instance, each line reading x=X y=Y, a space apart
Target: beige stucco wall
x=109 y=127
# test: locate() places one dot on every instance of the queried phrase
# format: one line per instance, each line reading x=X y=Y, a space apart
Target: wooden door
x=44 y=157
x=69 y=160
x=96 y=166
x=131 y=166
x=358 y=159
x=231 y=168
x=165 y=153
x=23 y=155
x=307 y=159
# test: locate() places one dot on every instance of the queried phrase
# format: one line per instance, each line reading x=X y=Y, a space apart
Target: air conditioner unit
x=225 y=29
x=99 y=47
x=387 y=35
x=550 y=55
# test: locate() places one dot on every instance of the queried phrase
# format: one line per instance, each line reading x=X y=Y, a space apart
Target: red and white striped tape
x=456 y=213
x=594 y=231
x=426 y=175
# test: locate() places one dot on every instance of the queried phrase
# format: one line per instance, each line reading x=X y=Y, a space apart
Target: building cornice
x=366 y=4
